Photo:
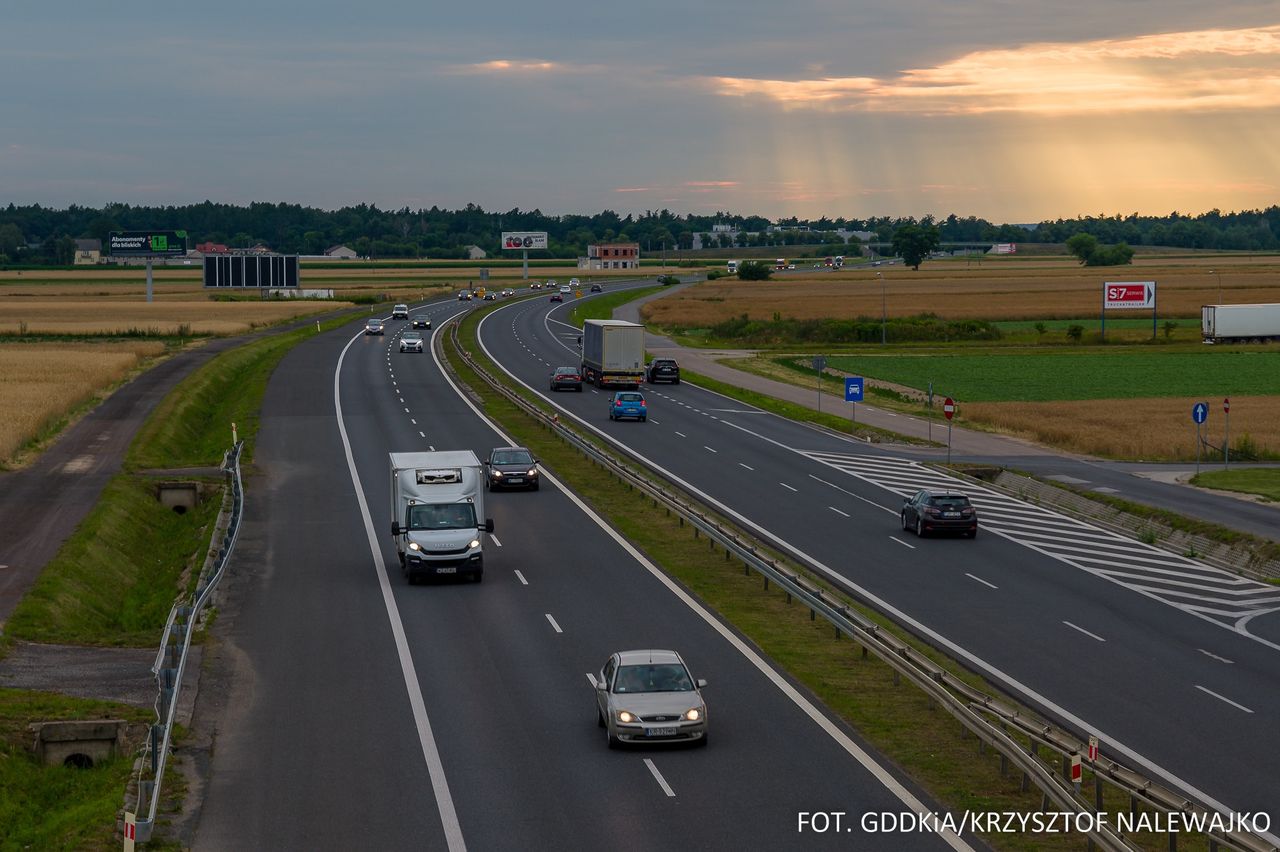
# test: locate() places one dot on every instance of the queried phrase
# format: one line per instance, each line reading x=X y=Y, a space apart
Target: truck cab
x=437 y=514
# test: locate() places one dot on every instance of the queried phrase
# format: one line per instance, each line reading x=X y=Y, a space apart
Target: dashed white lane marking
x=1085 y=632
x=980 y=580
x=1201 y=650
x=431 y=447
x=592 y=678
x=682 y=435
x=712 y=449
x=1223 y=698
x=422 y=434
x=837 y=511
x=402 y=400
x=553 y=623
x=901 y=542
x=79 y=464
x=414 y=422
x=662 y=782
x=747 y=466
x=495 y=539
x=406 y=411
x=521 y=578
x=654 y=422
x=788 y=487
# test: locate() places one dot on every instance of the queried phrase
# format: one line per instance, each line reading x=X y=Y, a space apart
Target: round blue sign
x=1200 y=411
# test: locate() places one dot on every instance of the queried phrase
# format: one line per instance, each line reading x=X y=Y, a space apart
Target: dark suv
x=662 y=370
x=939 y=511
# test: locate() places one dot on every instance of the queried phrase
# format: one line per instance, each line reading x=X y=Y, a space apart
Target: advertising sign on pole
x=524 y=239
x=1120 y=295
x=147 y=243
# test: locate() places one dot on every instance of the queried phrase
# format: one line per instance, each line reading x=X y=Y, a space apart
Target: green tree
x=11 y=239
x=914 y=242
x=753 y=270
x=1083 y=246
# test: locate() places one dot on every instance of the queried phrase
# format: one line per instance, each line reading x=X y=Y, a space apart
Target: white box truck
x=437 y=514
x=612 y=353
x=1240 y=323
x=731 y=267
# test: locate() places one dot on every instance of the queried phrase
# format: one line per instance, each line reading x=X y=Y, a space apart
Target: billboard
x=524 y=239
x=1128 y=294
x=250 y=270
x=147 y=243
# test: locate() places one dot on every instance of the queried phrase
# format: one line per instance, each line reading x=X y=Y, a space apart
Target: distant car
x=566 y=377
x=535 y=285
x=596 y=288
x=549 y=284
x=557 y=297
x=411 y=341
x=662 y=370
x=464 y=296
x=511 y=467
x=373 y=326
x=791 y=266
x=400 y=312
x=421 y=322
x=573 y=284
x=628 y=404
x=566 y=290
x=491 y=296
x=939 y=511
x=650 y=697
x=508 y=292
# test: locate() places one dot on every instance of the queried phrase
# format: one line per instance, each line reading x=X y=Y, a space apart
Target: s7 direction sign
x=1129 y=294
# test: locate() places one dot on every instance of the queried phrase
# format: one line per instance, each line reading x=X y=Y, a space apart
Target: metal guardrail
x=175 y=643
x=988 y=717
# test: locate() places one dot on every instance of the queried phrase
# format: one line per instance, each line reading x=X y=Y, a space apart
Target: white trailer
x=437 y=514
x=1240 y=323
x=612 y=353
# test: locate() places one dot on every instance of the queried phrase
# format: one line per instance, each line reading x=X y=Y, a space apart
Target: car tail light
x=618 y=403
x=966 y=513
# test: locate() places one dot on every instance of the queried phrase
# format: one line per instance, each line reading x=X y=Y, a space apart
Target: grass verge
x=1265 y=482
x=602 y=307
x=898 y=720
x=58 y=807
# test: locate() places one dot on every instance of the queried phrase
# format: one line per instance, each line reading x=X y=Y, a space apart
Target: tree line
x=38 y=234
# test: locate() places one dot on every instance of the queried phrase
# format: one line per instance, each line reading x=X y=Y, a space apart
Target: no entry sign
x=949 y=407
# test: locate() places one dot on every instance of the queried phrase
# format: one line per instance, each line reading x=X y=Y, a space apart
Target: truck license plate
x=453 y=570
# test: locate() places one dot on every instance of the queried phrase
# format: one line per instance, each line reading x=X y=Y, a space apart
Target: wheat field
x=39 y=384
x=106 y=317
x=1039 y=290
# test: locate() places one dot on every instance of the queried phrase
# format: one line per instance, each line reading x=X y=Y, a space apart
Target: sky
x=1010 y=110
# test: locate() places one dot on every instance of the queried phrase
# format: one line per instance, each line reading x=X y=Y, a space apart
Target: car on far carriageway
x=596 y=288
x=411 y=341
x=939 y=511
x=400 y=312
x=535 y=285
x=491 y=296
x=628 y=404
x=662 y=370
x=511 y=467
x=508 y=292
x=422 y=322
x=649 y=697
x=373 y=326
x=569 y=378
x=464 y=296
x=557 y=297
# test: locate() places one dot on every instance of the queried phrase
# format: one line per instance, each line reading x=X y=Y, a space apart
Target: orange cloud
x=711 y=183
x=1202 y=70
x=509 y=66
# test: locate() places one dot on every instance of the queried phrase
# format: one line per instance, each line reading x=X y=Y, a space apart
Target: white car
x=574 y=283
x=566 y=290
x=650 y=697
x=400 y=312
x=411 y=341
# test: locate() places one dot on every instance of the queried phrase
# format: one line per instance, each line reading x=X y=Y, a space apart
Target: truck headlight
x=413 y=545
x=475 y=542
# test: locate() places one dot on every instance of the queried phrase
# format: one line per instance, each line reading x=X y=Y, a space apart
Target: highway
x=360 y=712
x=1172 y=663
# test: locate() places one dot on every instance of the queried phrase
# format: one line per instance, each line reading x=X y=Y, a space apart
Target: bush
x=668 y=280
x=922 y=327
x=1075 y=332
x=753 y=270
x=713 y=274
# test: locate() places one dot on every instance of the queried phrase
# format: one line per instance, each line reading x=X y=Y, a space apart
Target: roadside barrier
x=993 y=721
x=175 y=643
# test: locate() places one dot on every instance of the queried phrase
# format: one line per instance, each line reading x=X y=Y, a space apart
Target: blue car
x=627 y=404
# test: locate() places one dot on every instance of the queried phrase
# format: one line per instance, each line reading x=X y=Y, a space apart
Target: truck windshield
x=444 y=516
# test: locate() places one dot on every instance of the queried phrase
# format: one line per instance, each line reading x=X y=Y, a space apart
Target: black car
x=939 y=511
x=556 y=297
x=511 y=467
x=596 y=288
x=566 y=378
x=662 y=370
x=421 y=322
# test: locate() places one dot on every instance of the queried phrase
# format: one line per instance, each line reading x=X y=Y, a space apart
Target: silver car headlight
x=693 y=715
x=475 y=542
x=627 y=717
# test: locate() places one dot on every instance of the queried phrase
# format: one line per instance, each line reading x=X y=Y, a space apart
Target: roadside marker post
x=948 y=411
x=929 y=412
x=853 y=391
x=819 y=364
x=130 y=831
x=1077 y=773
x=1093 y=749
x=1226 y=435
x=1199 y=413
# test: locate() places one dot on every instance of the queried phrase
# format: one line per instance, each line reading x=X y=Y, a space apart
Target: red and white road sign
x=1128 y=294
x=1226 y=405
x=1077 y=773
x=948 y=407
x=1093 y=749
x=130 y=831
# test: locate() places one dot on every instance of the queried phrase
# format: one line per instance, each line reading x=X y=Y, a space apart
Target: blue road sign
x=853 y=389
x=1200 y=411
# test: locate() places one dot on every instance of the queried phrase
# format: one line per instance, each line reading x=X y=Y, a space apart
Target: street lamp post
x=884 y=313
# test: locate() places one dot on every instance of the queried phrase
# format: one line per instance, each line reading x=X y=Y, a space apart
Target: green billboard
x=147 y=243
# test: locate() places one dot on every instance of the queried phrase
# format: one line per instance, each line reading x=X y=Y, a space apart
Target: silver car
x=411 y=341
x=649 y=697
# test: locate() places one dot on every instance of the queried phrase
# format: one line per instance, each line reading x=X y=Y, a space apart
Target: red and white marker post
x=1226 y=439
x=949 y=411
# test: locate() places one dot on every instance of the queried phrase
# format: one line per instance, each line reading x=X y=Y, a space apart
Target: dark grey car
x=511 y=467
x=939 y=511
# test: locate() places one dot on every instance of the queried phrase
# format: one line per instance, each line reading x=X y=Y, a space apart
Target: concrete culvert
x=78 y=761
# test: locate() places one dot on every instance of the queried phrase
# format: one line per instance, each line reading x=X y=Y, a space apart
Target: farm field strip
x=95 y=316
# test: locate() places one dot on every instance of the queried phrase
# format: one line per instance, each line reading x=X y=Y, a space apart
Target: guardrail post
x=1173 y=841
x=1097 y=791
x=157 y=736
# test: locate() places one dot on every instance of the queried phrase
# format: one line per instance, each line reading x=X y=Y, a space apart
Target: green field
x=601 y=307
x=1125 y=374
x=1263 y=481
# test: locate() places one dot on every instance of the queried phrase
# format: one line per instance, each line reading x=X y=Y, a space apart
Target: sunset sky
x=1014 y=112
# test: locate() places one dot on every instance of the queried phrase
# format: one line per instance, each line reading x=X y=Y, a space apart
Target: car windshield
x=443 y=516
x=566 y=371
x=653 y=677
x=630 y=397
x=411 y=335
x=512 y=457
x=373 y=324
x=949 y=501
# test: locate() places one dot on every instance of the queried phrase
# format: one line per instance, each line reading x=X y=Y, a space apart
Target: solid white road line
x=521 y=578
x=1085 y=632
x=901 y=542
x=430 y=752
x=1201 y=650
x=788 y=487
x=682 y=435
x=662 y=782
x=1223 y=698
x=553 y=623
x=705 y=447
x=747 y=466
x=837 y=511
x=591 y=678
x=980 y=580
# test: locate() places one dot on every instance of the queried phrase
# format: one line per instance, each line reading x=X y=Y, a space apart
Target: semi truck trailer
x=1240 y=323
x=612 y=353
